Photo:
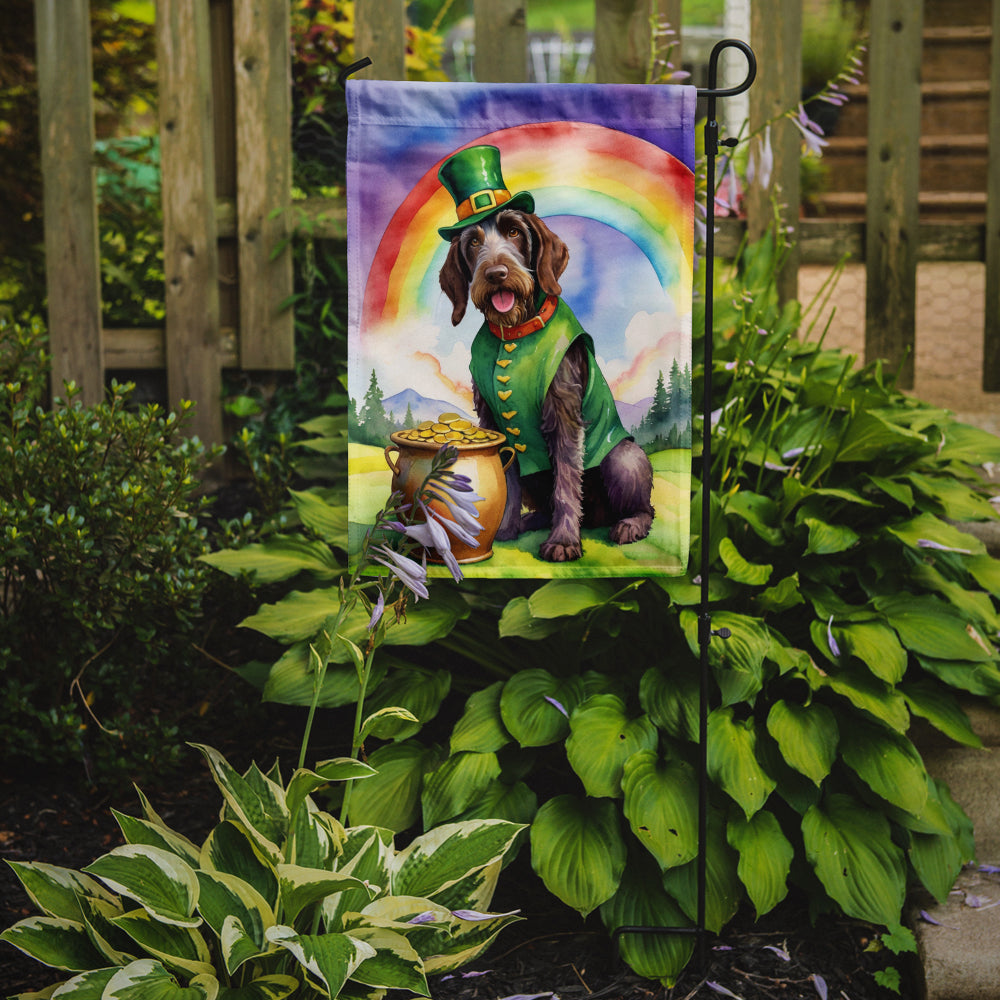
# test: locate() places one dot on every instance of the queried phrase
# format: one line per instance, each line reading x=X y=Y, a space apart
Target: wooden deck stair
x=955 y=91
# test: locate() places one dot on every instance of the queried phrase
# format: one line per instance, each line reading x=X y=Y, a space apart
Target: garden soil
x=551 y=952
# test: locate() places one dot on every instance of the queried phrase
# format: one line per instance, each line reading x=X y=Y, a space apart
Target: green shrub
x=854 y=603
x=279 y=900
x=101 y=584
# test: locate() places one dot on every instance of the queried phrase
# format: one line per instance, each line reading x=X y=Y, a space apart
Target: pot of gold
x=481 y=457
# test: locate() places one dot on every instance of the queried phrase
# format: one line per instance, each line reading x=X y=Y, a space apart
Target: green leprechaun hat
x=473 y=178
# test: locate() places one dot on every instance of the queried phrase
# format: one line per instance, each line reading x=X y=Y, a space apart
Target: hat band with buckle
x=481 y=201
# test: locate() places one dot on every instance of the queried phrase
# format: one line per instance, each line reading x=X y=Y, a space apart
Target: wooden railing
x=226 y=161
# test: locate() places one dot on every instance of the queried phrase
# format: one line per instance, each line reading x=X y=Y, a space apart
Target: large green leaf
x=301 y=887
x=732 y=760
x=641 y=901
x=292 y=680
x=851 y=850
x=330 y=959
x=274 y=987
x=866 y=692
x=225 y=897
x=828 y=539
x=327 y=520
x=758 y=511
x=739 y=569
x=304 y=782
x=481 y=728
x=765 y=858
x=931 y=628
x=144 y=831
x=807 y=736
x=578 y=851
x=86 y=986
x=559 y=598
x=937 y=859
x=416 y=689
x=535 y=706
x=279 y=558
x=147 y=979
x=926 y=528
x=738 y=661
x=441 y=857
x=958 y=502
x=661 y=799
x=602 y=737
x=516 y=803
x=888 y=763
x=976 y=678
x=55 y=941
x=876 y=646
x=456 y=784
x=516 y=620
x=671 y=699
x=870 y=436
x=164 y=885
x=56 y=891
x=941 y=709
x=391 y=798
x=723 y=889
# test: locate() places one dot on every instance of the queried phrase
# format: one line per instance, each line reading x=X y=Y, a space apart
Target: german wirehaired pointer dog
x=535 y=378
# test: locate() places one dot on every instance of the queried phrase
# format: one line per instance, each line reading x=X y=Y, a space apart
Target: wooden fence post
x=190 y=251
x=72 y=255
x=501 y=41
x=892 y=214
x=776 y=35
x=262 y=61
x=622 y=40
x=380 y=34
x=991 y=332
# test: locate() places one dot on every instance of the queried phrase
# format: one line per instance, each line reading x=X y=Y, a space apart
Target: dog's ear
x=553 y=256
x=455 y=282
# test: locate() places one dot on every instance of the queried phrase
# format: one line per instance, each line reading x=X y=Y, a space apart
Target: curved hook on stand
x=349 y=70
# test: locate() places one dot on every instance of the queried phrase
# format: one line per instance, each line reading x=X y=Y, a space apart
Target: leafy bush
x=279 y=899
x=99 y=546
x=854 y=605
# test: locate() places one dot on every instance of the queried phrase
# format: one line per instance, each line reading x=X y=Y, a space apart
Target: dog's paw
x=508 y=532
x=558 y=552
x=631 y=529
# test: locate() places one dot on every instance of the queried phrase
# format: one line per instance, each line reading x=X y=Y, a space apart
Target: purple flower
x=811 y=132
x=927 y=543
x=761 y=163
x=411 y=574
x=820 y=983
x=834 y=648
x=377 y=611
x=780 y=952
x=719 y=988
x=475 y=915
x=427 y=917
x=458 y=497
x=552 y=701
x=432 y=536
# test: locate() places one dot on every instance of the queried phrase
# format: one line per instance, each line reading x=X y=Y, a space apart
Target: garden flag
x=520 y=282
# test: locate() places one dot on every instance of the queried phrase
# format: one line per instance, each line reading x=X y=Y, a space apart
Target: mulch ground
x=550 y=953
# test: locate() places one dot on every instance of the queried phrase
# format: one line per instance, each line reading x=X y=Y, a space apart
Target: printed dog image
x=534 y=370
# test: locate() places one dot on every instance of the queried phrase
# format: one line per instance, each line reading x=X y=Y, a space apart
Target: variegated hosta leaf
x=642 y=902
x=177 y=947
x=602 y=737
x=147 y=979
x=99 y=915
x=765 y=858
x=256 y=801
x=850 y=847
x=86 y=986
x=301 y=887
x=274 y=987
x=224 y=897
x=230 y=849
x=367 y=853
x=481 y=726
x=732 y=760
x=56 y=891
x=315 y=838
x=456 y=784
x=661 y=799
x=158 y=880
x=329 y=959
x=55 y=941
x=395 y=964
x=578 y=851
x=535 y=706
x=888 y=763
x=304 y=782
x=807 y=736
x=723 y=889
x=141 y=831
x=391 y=799
x=466 y=941
x=441 y=857
x=476 y=890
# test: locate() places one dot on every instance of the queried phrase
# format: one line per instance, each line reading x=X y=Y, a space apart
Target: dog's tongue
x=503 y=300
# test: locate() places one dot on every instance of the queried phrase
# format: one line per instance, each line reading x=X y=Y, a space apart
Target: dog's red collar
x=532 y=325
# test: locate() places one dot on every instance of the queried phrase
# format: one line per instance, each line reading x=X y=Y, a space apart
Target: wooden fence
x=226 y=161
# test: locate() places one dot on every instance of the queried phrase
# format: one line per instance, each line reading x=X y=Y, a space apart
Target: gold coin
x=447 y=418
x=460 y=425
x=440 y=439
x=425 y=425
x=425 y=433
x=440 y=428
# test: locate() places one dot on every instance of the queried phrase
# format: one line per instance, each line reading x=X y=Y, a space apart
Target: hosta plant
x=279 y=900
